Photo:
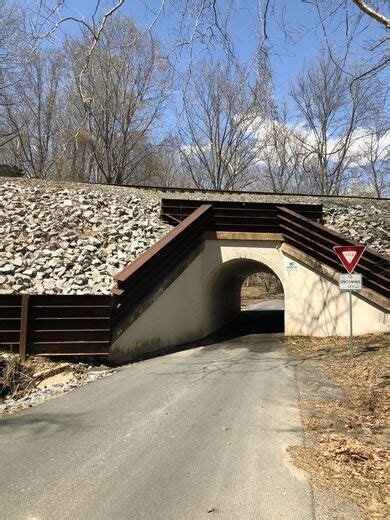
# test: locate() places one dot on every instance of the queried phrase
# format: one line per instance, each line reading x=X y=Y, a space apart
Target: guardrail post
x=23 y=327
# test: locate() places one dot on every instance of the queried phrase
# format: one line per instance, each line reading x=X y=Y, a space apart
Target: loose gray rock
x=73 y=240
x=62 y=238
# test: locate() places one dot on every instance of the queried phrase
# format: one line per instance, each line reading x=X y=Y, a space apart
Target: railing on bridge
x=317 y=241
x=147 y=271
x=256 y=217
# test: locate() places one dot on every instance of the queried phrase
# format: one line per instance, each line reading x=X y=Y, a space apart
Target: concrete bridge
x=188 y=285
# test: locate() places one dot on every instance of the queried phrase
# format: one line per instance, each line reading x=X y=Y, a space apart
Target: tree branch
x=372 y=13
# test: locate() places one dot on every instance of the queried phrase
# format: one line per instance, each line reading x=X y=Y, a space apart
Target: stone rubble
x=71 y=241
x=34 y=398
x=63 y=238
x=367 y=225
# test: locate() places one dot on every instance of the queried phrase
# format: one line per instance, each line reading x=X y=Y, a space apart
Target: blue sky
x=288 y=55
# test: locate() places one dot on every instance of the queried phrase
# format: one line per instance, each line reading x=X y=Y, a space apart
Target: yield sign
x=349 y=255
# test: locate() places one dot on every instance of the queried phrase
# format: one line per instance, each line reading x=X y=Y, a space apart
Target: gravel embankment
x=74 y=240
x=67 y=238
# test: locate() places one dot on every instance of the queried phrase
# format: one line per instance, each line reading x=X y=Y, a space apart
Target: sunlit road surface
x=193 y=435
x=267 y=305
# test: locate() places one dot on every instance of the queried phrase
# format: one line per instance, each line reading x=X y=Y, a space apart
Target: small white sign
x=350 y=282
x=291 y=266
x=349 y=255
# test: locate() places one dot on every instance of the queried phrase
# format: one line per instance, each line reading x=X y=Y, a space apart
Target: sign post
x=350 y=256
x=350 y=326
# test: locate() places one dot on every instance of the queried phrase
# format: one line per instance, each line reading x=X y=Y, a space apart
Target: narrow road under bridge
x=191 y=435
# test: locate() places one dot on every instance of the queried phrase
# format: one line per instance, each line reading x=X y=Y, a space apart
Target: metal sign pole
x=350 y=256
x=350 y=326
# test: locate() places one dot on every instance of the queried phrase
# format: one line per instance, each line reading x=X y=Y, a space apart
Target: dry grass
x=19 y=378
x=253 y=294
x=15 y=376
x=349 y=444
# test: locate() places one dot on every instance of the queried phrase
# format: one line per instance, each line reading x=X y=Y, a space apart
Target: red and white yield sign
x=349 y=255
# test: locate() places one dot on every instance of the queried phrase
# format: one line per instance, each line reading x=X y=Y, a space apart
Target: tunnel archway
x=222 y=297
x=262 y=290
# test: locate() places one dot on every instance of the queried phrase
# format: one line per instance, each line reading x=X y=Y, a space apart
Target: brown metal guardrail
x=257 y=217
x=300 y=228
x=317 y=241
x=58 y=325
x=146 y=272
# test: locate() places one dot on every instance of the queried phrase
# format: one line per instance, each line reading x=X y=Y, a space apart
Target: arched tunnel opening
x=262 y=304
x=245 y=296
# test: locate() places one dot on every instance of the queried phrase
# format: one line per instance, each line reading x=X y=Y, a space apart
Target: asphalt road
x=267 y=305
x=193 y=435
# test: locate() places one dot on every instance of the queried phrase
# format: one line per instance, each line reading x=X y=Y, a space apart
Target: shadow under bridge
x=223 y=296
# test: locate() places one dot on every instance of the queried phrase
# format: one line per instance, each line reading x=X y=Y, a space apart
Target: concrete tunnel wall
x=222 y=289
x=206 y=295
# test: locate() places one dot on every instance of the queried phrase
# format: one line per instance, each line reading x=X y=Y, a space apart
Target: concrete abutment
x=206 y=295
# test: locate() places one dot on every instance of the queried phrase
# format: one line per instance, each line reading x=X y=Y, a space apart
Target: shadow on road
x=248 y=322
x=252 y=322
x=42 y=424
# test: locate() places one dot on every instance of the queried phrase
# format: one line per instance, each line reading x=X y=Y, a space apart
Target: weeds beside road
x=26 y=383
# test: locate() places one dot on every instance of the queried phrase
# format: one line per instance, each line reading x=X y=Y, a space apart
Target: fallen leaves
x=349 y=449
x=351 y=468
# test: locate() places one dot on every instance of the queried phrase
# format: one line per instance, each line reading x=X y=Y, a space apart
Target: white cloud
x=306 y=139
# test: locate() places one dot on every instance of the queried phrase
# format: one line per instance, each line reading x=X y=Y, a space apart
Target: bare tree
x=74 y=148
x=25 y=27
x=332 y=112
x=13 y=38
x=102 y=129
x=373 y=13
x=47 y=19
x=166 y=169
x=344 y=26
x=374 y=160
x=14 y=51
x=31 y=104
x=122 y=95
x=217 y=127
x=281 y=153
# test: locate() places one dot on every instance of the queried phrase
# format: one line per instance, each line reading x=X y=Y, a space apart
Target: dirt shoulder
x=345 y=413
